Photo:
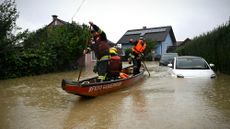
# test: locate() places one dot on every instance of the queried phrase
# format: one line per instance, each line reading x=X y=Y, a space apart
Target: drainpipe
x=161 y=49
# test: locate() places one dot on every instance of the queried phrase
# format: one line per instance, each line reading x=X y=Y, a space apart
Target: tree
x=57 y=48
x=8 y=40
x=151 y=45
x=45 y=50
x=8 y=16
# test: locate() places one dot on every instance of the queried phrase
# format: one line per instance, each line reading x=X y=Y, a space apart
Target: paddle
x=79 y=75
x=145 y=66
x=80 y=59
x=80 y=67
x=84 y=53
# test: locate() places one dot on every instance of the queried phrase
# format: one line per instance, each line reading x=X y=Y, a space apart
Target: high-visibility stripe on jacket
x=140 y=47
x=106 y=57
x=102 y=78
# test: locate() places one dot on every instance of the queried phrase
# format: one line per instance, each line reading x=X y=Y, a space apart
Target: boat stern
x=63 y=84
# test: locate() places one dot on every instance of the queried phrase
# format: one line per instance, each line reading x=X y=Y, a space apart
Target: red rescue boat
x=90 y=88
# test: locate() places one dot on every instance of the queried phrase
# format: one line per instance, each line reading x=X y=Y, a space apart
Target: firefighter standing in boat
x=99 y=44
x=137 y=53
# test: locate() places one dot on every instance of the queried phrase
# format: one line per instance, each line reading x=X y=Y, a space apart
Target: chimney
x=54 y=17
x=144 y=27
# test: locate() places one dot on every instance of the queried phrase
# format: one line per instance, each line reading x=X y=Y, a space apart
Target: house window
x=93 y=57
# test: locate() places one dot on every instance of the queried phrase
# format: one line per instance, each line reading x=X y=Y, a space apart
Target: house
x=182 y=43
x=178 y=44
x=56 y=22
x=164 y=36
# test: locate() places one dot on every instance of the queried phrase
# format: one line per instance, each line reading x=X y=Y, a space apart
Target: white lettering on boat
x=104 y=87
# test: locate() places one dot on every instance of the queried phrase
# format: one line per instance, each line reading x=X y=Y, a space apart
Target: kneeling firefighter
x=115 y=64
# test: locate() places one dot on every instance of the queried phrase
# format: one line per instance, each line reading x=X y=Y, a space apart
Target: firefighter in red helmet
x=137 y=52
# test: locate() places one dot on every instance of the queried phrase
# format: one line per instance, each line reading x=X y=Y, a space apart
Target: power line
x=78 y=9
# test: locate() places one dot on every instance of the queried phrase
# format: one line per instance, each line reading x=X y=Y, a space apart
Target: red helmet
x=131 y=40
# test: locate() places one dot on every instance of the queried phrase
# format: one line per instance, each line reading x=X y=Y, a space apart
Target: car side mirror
x=211 y=65
x=170 y=65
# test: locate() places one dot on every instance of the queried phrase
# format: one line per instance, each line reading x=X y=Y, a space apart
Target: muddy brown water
x=157 y=102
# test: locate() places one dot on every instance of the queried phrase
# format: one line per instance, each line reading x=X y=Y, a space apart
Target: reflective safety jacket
x=139 y=47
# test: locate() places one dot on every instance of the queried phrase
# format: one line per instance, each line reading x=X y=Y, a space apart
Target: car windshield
x=167 y=57
x=191 y=63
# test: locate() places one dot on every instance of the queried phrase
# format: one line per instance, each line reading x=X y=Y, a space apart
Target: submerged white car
x=191 y=67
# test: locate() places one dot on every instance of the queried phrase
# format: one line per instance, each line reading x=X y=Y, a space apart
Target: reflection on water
x=159 y=101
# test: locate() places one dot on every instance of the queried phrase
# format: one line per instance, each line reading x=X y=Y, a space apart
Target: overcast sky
x=188 y=18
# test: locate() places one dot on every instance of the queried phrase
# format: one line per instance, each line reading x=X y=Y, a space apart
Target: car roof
x=191 y=57
x=170 y=53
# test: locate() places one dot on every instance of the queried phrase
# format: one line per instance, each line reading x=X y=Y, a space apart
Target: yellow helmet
x=113 y=50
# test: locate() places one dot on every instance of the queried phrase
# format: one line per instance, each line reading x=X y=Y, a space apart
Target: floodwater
x=157 y=102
